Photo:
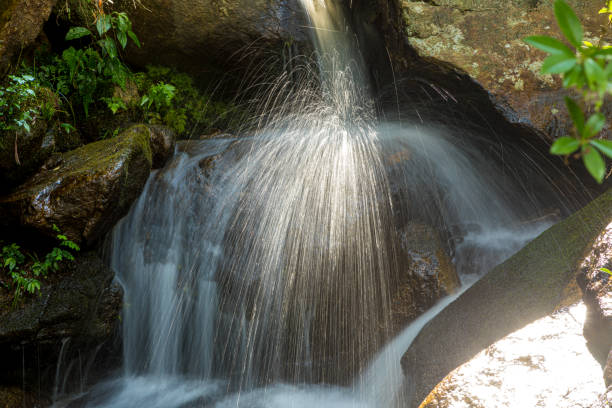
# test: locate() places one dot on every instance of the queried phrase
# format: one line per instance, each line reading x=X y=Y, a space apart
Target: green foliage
x=24 y=275
x=87 y=74
x=18 y=103
x=606 y=270
x=171 y=98
x=588 y=69
x=159 y=96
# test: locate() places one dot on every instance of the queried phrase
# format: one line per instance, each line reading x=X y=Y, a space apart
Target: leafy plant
x=171 y=98
x=159 y=96
x=588 y=69
x=17 y=103
x=24 y=276
x=90 y=72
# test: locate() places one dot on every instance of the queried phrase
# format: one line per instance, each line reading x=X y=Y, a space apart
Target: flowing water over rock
x=259 y=271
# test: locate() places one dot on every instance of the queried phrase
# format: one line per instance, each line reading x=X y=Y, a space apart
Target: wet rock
x=453 y=32
x=526 y=287
x=76 y=313
x=596 y=287
x=162 y=141
x=428 y=274
x=80 y=301
x=197 y=34
x=528 y=368
x=21 y=21
x=87 y=192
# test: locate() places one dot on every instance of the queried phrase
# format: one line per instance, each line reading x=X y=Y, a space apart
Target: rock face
x=484 y=39
x=528 y=368
x=78 y=307
x=21 y=21
x=162 y=144
x=85 y=191
x=427 y=276
x=526 y=287
x=200 y=33
x=80 y=301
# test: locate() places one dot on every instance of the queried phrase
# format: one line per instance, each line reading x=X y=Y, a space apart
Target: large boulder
x=75 y=315
x=483 y=38
x=85 y=191
x=526 y=287
x=79 y=301
x=21 y=22
x=197 y=35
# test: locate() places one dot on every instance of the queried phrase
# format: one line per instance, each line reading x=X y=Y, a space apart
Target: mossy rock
x=526 y=287
x=85 y=191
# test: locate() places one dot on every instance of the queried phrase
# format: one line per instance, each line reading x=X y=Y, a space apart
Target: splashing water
x=275 y=266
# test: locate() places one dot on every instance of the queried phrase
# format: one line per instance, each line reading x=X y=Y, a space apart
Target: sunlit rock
x=493 y=53
x=545 y=364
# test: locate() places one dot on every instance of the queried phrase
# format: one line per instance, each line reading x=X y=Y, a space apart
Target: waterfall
x=258 y=271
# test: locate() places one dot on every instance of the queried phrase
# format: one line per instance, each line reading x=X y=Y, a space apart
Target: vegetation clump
x=21 y=274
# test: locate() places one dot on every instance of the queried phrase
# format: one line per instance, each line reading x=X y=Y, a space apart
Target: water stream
x=254 y=269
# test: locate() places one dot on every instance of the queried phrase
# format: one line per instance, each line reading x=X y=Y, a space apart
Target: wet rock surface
x=73 y=321
x=202 y=33
x=526 y=287
x=79 y=301
x=427 y=274
x=162 y=140
x=528 y=368
x=21 y=22
x=85 y=191
x=452 y=32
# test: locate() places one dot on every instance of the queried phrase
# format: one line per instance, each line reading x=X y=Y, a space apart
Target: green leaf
x=594 y=163
x=77 y=32
x=605 y=146
x=558 y=64
x=594 y=125
x=122 y=37
x=565 y=145
x=134 y=38
x=549 y=44
x=569 y=23
x=606 y=270
x=575 y=113
x=595 y=73
x=103 y=24
x=109 y=46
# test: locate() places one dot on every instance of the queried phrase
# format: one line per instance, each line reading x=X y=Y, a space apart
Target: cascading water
x=275 y=266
